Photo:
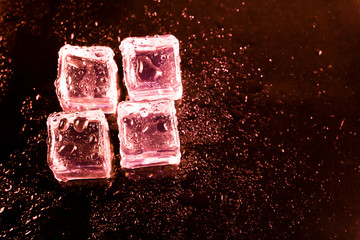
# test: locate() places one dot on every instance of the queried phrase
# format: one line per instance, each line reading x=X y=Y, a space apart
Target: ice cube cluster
x=87 y=89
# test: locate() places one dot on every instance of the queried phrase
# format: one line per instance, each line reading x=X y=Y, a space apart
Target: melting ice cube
x=152 y=67
x=148 y=134
x=78 y=145
x=87 y=79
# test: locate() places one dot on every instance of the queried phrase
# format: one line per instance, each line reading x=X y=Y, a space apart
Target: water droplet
x=8 y=188
x=162 y=126
x=138 y=151
x=2 y=209
x=99 y=54
x=145 y=129
x=94 y=156
x=96 y=90
x=128 y=121
x=163 y=58
x=80 y=124
x=144 y=112
x=58 y=138
x=66 y=149
x=146 y=69
x=64 y=124
x=103 y=80
x=93 y=138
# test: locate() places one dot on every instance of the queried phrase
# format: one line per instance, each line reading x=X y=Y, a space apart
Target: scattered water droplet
x=8 y=188
x=64 y=124
x=80 y=124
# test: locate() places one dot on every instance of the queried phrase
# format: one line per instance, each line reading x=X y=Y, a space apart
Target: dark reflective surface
x=268 y=122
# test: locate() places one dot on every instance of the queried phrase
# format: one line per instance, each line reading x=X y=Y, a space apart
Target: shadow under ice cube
x=79 y=145
x=152 y=67
x=87 y=79
x=148 y=134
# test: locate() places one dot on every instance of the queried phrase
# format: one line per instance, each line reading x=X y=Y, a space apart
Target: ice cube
x=152 y=67
x=87 y=79
x=148 y=134
x=79 y=145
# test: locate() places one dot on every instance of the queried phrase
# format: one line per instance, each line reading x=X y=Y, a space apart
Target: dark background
x=269 y=122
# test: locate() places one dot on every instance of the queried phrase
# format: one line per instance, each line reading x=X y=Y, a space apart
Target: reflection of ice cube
x=87 y=79
x=78 y=145
x=152 y=67
x=148 y=134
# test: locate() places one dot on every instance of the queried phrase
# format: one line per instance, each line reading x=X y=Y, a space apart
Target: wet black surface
x=268 y=122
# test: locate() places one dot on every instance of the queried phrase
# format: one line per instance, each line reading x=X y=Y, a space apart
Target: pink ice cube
x=79 y=145
x=148 y=134
x=152 y=67
x=87 y=79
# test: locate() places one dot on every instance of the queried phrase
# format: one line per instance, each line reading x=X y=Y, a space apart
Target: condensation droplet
x=80 y=124
x=94 y=156
x=146 y=69
x=99 y=54
x=59 y=138
x=96 y=90
x=103 y=80
x=162 y=127
x=67 y=148
x=93 y=138
x=128 y=121
x=64 y=124
x=145 y=129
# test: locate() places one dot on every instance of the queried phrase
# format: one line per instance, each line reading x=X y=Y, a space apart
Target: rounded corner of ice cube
x=172 y=38
x=127 y=48
x=52 y=117
x=64 y=48
x=176 y=159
